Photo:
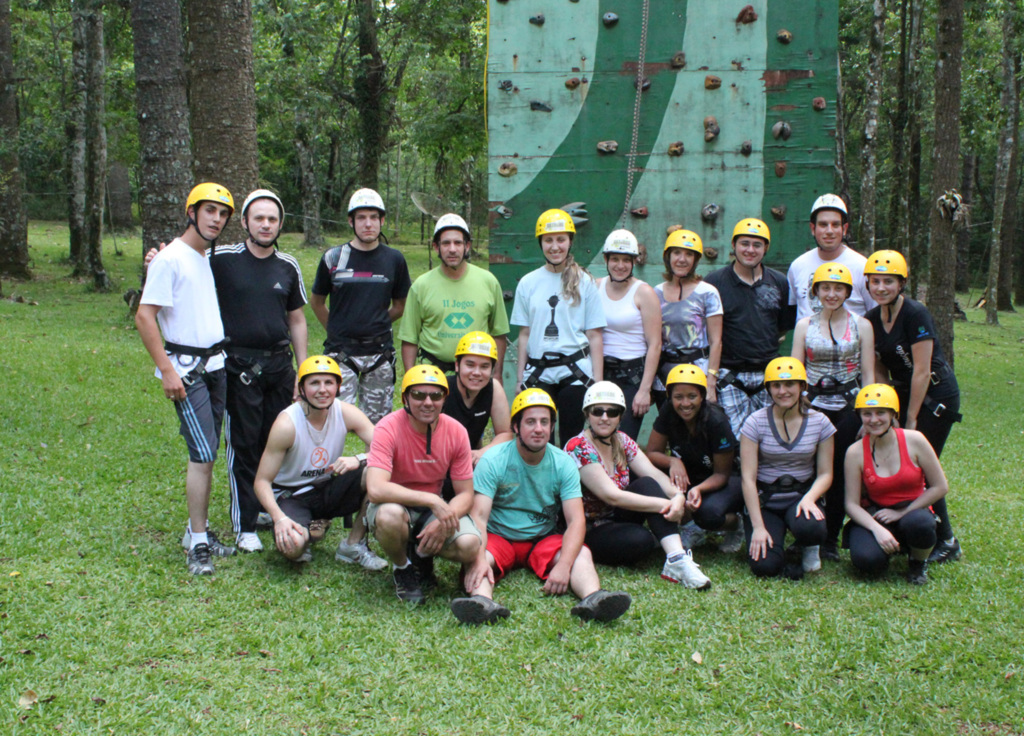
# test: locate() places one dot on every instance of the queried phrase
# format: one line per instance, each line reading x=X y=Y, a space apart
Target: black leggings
x=936 y=430
x=624 y=540
x=569 y=401
x=807 y=532
x=916 y=530
x=717 y=504
x=847 y=423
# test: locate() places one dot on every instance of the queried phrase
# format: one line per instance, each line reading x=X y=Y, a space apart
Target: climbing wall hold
x=640 y=212
x=540 y=106
x=572 y=83
x=609 y=19
x=678 y=60
x=710 y=212
x=710 y=253
x=537 y=20
x=784 y=36
x=779 y=212
x=747 y=15
x=508 y=169
x=712 y=82
x=675 y=149
x=672 y=228
x=780 y=169
x=505 y=212
x=608 y=146
x=818 y=103
x=505 y=85
x=782 y=130
x=645 y=85
x=746 y=148
x=711 y=129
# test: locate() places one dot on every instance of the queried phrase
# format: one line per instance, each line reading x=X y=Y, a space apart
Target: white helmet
x=621 y=241
x=830 y=202
x=366 y=199
x=451 y=222
x=604 y=392
x=262 y=194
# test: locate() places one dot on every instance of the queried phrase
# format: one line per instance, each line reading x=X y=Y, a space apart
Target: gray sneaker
x=361 y=553
x=217 y=547
x=810 y=560
x=733 y=541
x=199 y=562
x=602 y=605
x=478 y=609
x=692 y=535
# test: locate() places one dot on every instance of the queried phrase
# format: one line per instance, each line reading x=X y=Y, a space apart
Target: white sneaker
x=811 y=561
x=733 y=540
x=217 y=547
x=361 y=553
x=249 y=542
x=306 y=556
x=264 y=521
x=692 y=535
x=686 y=572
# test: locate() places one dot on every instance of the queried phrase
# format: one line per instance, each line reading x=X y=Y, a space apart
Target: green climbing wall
x=561 y=78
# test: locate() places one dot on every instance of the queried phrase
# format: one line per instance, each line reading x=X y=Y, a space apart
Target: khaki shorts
x=419 y=517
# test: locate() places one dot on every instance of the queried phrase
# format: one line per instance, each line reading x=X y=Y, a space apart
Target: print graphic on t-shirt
x=338 y=278
x=768 y=296
x=319 y=457
x=458 y=321
x=814 y=301
x=551 y=331
x=549 y=514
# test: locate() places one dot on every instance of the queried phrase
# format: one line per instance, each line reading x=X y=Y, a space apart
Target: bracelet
x=713 y=372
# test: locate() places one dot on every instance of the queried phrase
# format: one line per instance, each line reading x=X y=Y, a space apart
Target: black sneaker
x=199 y=562
x=424 y=566
x=407 y=585
x=829 y=551
x=217 y=547
x=946 y=551
x=602 y=605
x=917 y=572
x=478 y=609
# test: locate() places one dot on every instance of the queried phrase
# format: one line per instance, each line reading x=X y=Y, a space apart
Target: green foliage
x=100 y=620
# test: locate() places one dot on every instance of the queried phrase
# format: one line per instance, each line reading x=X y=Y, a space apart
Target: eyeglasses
x=601 y=411
x=434 y=396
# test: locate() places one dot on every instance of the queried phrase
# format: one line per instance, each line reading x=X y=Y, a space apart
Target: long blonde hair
x=619 y=458
x=572 y=274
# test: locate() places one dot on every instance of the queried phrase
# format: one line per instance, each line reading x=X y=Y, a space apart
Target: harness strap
x=537 y=366
x=446 y=366
x=203 y=354
x=731 y=379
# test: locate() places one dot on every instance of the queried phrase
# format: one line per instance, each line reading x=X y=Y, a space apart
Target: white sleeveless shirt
x=624 y=335
x=307 y=462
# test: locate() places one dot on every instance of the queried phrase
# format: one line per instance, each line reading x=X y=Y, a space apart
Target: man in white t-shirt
x=179 y=302
x=830 y=222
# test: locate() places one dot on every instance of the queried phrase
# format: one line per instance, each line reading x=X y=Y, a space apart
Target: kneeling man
x=521 y=486
x=303 y=474
x=413 y=450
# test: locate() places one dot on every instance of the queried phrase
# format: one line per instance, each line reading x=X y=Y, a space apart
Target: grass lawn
x=99 y=618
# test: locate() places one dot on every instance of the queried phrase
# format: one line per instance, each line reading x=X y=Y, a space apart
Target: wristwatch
x=361 y=457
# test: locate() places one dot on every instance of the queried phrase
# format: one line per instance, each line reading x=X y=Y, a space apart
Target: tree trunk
x=95 y=142
x=869 y=169
x=1004 y=289
x=314 y=237
x=1007 y=143
x=963 y=238
x=898 y=125
x=945 y=216
x=223 y=99
x=13 y=222
x=119 y=197
x=74 y=130
x=161 y=102
x=370 y=92
x=842 y=170
x=915 y=236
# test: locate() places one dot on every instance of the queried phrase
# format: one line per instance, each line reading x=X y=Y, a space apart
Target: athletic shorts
x=341 y=497
x=536 y=554
x=419 y=517
x=201 y=414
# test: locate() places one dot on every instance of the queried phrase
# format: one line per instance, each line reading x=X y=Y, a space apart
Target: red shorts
x=536 y=554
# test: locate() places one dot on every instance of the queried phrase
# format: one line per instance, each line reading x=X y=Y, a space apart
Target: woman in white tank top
x=632 y=337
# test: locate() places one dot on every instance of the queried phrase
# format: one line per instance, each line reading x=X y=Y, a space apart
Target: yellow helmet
x=877 y=396
x=210 y=192
x=533 y=397
x=555 y=221
x=477 y=343
x=319 y=364
x=685 y=239
x=837 y=273
x=755 y=227
x=688 y=374
x=424 y=374
x=887 y=262
x=785 y=369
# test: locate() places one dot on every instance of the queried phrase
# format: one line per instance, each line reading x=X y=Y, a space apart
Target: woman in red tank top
x=893 y=476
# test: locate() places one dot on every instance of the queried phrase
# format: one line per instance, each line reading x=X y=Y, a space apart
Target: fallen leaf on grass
x=578 y=717
x=98 y=701
x=266 y=653
x=270 y=669
x=697 y=657
x=26 y=652
x=28 y=699
x=41 y=636
x=1008 y=675
x=15 y=574
x=794 y=725
x=241 y=653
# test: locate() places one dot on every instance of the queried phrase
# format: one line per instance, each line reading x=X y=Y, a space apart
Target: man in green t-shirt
x=521 y=486
x=448 y=301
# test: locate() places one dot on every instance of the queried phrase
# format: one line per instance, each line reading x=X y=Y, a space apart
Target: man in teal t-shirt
x=521 y=486
x=451 y=300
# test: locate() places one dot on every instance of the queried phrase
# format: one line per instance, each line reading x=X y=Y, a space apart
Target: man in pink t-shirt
x=412 y=452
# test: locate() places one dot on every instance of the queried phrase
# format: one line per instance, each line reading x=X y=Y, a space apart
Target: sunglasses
x=434 y=396
x=600 y=411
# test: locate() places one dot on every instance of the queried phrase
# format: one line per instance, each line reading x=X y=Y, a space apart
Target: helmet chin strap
x=605 y=440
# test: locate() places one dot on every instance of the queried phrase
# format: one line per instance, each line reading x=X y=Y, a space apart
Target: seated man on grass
x=413 y=450
x=303 y=474
x=521 y=486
